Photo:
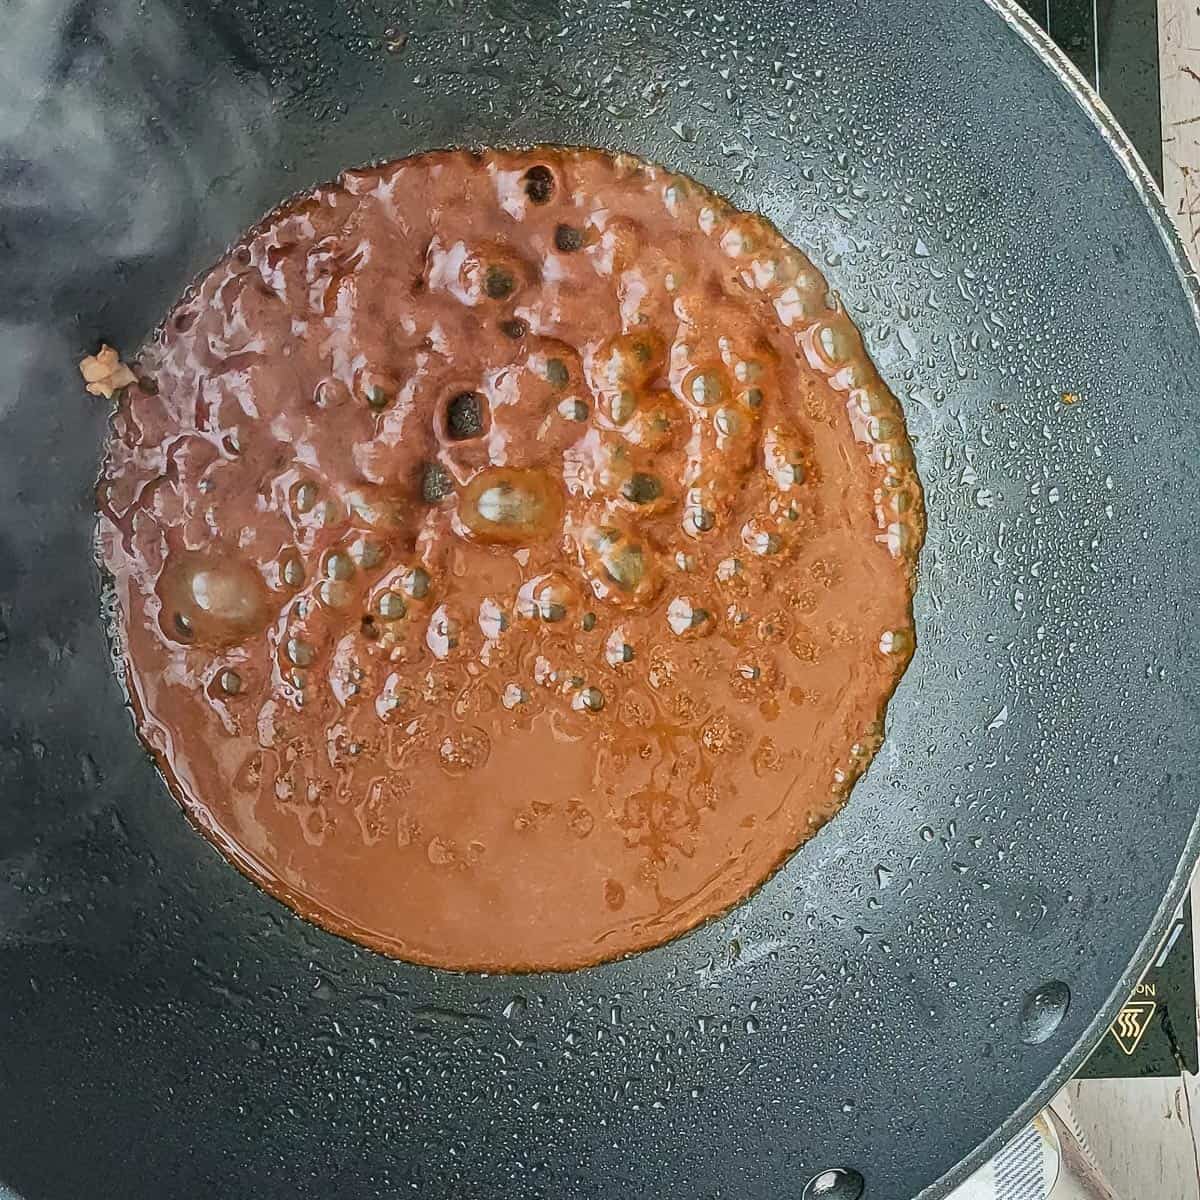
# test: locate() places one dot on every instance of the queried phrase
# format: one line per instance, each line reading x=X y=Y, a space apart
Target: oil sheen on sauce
x=514 y=555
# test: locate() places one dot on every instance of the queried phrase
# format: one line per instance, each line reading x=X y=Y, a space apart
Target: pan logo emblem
x=1131 y=1024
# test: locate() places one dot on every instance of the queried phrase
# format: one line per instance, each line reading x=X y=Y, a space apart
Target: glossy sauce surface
x=514 y=555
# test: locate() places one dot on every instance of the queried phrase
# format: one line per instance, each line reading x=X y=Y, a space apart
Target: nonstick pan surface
x=923 y=972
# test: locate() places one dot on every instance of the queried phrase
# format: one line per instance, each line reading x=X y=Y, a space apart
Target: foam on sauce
x=514 y=552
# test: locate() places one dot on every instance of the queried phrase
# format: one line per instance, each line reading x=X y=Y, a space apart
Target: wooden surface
x=1179 y=52
x=1141 y=1134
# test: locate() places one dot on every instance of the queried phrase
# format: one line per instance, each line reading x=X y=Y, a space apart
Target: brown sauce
x=514 y=553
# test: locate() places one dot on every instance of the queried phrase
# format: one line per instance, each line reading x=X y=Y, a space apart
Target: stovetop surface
x=1114 y=43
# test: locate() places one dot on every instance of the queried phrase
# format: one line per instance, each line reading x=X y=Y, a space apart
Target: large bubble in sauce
x=211 y=598
x=512 y=507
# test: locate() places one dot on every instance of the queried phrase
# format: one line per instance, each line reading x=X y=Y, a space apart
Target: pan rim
x=1022 y=25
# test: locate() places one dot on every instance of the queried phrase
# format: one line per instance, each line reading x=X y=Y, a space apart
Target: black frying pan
x=921 y=975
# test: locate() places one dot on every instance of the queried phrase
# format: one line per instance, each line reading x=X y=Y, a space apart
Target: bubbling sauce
x=515 y=555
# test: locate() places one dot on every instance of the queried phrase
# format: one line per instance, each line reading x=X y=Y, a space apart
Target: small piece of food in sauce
x=104 y=373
